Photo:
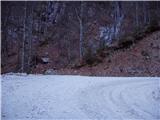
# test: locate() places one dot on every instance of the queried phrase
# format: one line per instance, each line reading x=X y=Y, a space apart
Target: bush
x=91 y=58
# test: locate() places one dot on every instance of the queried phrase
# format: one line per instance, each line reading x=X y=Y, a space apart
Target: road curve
x=121 y=100
x=75 y=97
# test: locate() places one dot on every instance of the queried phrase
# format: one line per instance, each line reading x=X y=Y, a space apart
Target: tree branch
x=77 y=15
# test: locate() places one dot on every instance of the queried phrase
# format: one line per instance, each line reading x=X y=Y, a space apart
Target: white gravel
x=49 y=97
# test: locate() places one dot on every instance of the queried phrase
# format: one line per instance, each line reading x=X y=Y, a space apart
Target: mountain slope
x=141 y=59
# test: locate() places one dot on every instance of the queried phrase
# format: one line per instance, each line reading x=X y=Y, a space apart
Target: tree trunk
x=118 y=19
x=81 y=31
x=137 y=15
x=24 y=39
x=30 y=39
x=4 y=35
x=144 y=13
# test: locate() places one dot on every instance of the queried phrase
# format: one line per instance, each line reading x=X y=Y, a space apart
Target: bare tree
x=144 y=12
x=5 y=32
x=137 y=14
x=118 y=18
x=26 y=57
x=24 y=38
x=30 y=37
x=81 y=27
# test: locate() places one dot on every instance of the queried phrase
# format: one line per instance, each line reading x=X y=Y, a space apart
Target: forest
x=113 y=38
x=80 y=60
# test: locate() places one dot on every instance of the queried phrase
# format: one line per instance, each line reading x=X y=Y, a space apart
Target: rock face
x=106 y=34
x=50 y=72
x=113 y=31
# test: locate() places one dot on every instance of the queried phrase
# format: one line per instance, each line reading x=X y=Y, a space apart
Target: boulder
x=45 y=60
x=50 y=72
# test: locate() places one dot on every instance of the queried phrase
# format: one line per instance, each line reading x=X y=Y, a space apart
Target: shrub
x=91 y=58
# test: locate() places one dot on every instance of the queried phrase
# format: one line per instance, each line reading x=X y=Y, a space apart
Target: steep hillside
x=140 y=59
x=84 y=36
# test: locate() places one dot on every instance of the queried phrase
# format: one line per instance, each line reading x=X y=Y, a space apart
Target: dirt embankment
x=140 y=59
